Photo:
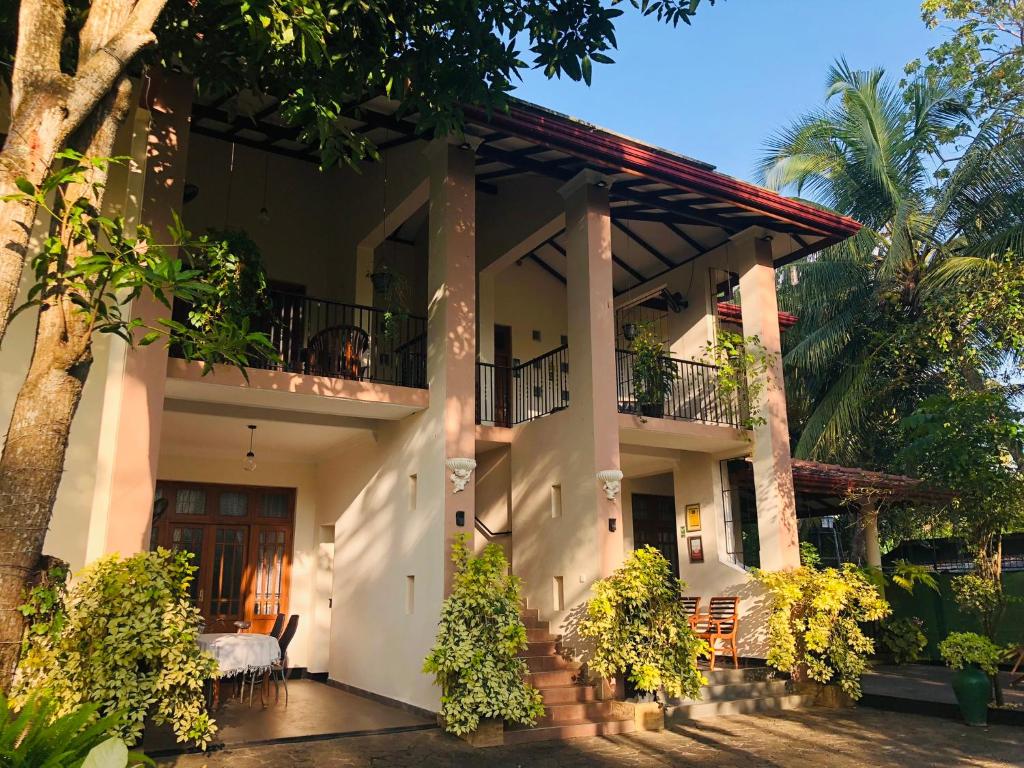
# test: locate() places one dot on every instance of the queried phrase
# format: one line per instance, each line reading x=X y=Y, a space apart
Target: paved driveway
x=816 y=737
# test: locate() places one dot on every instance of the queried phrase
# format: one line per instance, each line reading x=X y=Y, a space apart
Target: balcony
x=694 y=395
x=510 y=395
x=319 y=337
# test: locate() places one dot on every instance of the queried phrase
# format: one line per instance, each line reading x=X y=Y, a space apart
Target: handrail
x=323 y=337
x=510 y=395
x=694 y=395
x=482 y=527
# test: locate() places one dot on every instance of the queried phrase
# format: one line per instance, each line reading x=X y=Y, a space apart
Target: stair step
x=549 y=663
x=568 y=729
x=588 y=710
x=541 y=648
x=567 y=694
x=733 y=691
x=531 y=614
x=534 y=623
x=728 y=675
x=711 y=709
x=539 y=634
x=551 y=679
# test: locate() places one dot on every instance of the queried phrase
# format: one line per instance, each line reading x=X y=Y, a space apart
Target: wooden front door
x=503 y=376
x=241 y=541
x=654 y=524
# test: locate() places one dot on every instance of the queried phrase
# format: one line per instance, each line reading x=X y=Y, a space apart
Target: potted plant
x=975 y=660
x=653 y=373
x=639 y=630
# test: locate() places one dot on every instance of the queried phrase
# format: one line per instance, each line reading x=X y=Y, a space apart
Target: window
x=275 y=505
x=234 y=504
x=190 y=501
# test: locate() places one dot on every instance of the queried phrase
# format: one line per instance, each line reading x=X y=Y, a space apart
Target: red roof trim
x=630 y=156
x=732 y=313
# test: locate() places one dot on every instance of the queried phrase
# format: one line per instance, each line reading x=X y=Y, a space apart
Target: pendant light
x=250 y=458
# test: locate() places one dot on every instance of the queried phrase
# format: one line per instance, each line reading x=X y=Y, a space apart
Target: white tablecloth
x=239 y=652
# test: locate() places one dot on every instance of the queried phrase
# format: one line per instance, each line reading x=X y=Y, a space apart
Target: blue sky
x=715 y=90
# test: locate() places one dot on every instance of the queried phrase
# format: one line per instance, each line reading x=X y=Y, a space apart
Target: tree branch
x=37 y=57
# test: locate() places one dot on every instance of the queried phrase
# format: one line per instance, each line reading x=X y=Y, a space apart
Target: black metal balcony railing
x=695 y=393
x=345 y=341
x=510 y=395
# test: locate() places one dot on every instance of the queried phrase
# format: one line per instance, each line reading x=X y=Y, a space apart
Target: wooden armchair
x=719 y=624
x=691 y=605
x=338 y=352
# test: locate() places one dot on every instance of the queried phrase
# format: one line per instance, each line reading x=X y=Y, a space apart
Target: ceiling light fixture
x=250 y=458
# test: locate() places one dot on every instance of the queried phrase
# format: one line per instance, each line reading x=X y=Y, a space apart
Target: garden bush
x=903 y=638
x=965 y=649
x=814 y=630
x=35 y=736
x=639 y=628
x=474 y=658
x=123 y=637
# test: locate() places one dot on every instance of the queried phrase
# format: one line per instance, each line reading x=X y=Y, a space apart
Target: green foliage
x=815 y=624
x=637 y=623
x=907 y=576
x=809 y=555
x=743 y=368
x=44 y=608
x=474 y=658
x=96 y=266
x=981 y=598
x=966 y=649
x=983 y=51
x=653 y=372
x=38 y=735
x=128 y=643
x=916 y=304
x=903 y=638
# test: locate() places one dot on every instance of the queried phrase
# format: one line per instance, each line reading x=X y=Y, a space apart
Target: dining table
x=238 y=653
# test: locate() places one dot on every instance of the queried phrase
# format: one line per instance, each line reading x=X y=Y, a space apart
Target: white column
x=773 y=475
x=591 y=324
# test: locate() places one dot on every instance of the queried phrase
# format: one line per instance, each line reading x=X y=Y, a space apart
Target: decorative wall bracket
x=462 y=469
x=612 y=482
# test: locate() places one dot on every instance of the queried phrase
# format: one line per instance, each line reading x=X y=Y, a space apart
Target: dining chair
x=275 y=631
x=281 y=667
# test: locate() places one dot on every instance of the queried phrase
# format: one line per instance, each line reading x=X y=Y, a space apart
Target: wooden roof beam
x=643 y=243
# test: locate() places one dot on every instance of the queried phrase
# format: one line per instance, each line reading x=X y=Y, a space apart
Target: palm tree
x=864 y=351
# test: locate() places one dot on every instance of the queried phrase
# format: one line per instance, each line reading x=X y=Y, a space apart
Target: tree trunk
x=37 y=439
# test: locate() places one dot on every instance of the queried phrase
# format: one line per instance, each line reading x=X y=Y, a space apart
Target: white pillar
x=591 y=324
x=773 y=475
x=451 y=326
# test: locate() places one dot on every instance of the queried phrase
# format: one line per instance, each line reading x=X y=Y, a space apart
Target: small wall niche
x=413 y=489
x=410 y=595
x=556 y=501
x=557 y=594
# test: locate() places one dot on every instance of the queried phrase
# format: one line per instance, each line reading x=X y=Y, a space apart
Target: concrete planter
x=828 y=696
x=648 y=716
x=490 y=733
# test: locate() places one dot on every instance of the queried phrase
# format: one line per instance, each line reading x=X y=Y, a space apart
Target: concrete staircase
x=736 y=692
x=571 y=708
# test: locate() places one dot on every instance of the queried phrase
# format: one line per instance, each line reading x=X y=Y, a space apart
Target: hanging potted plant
x=653 y=373
x=975 y=660
x=382 y=280
x=393 y=290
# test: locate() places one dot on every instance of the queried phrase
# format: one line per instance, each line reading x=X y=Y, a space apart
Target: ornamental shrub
x=124 y=639
x=903 y=638
x=35 y=736
x=474 y=658
x=966 y=649
x=639 y=627
x=814 y=630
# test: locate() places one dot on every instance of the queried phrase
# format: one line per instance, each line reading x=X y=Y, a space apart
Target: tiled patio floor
x=313 y=710
x=816 y=737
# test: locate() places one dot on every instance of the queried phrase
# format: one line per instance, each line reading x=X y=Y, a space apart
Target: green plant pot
x=973 y=690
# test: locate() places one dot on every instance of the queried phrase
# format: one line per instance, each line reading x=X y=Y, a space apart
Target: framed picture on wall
x=692 y=518
x=696 y=548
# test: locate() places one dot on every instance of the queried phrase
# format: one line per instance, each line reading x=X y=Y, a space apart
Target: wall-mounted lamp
x=462 y=469
x=250 y=458
x=612 y=482
x=460 y=518
x=613 y=524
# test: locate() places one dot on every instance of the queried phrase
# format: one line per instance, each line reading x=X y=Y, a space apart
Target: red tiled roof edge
x=631 y=156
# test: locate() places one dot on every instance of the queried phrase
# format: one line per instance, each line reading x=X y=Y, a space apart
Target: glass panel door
x=227 y=577
x=270 y=580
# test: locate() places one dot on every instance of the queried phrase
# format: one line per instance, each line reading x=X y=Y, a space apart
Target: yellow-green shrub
x=814 y=627
x=474 y=659
x=639 y=627
x=124 y=639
